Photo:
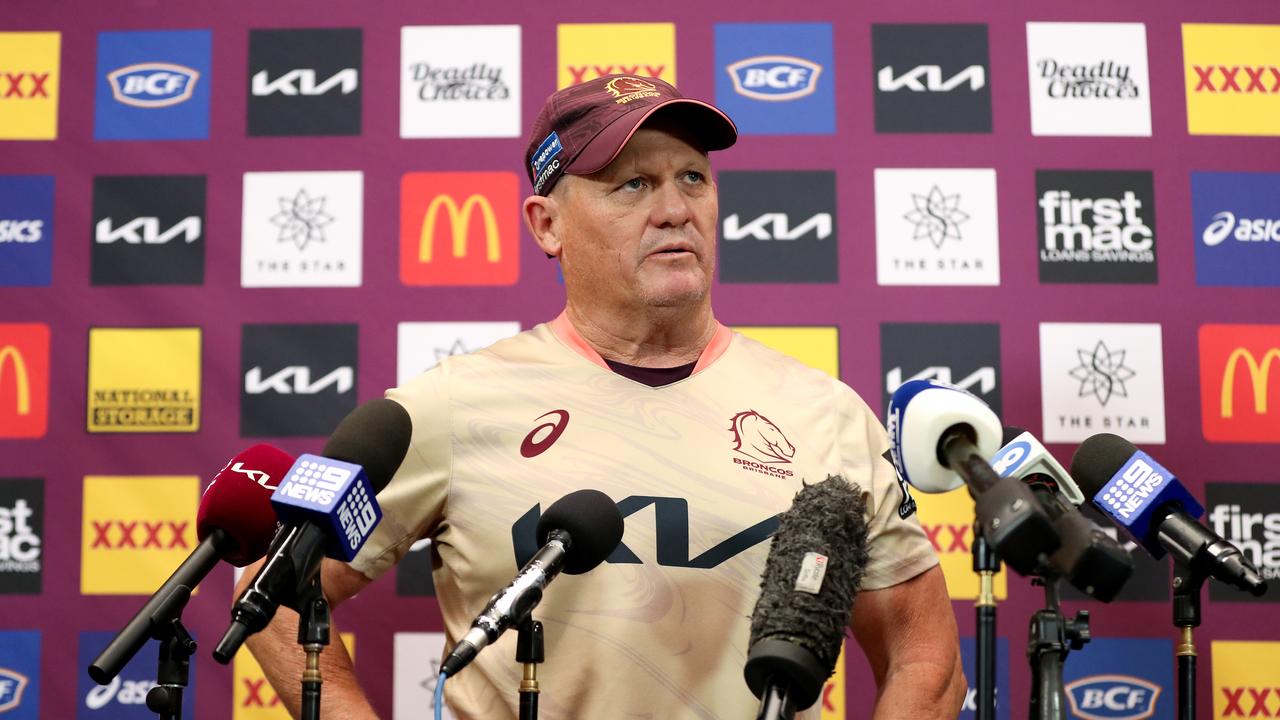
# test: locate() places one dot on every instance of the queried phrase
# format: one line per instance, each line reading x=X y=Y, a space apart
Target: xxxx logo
x=1237 y=78
x=1251 y=702
x=258 y=694
x=956 y=540
x=579 y=73
x=139 y=534
x=25 y=85
x=538 y=442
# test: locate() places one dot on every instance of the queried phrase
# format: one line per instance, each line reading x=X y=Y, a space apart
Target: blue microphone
x=1147 y=502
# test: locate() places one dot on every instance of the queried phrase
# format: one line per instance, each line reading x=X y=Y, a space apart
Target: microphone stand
x=1187 y=583
x=173 y=664
x=1052 y=637
x=986 y=564
x=313 y=636
x=529 y=652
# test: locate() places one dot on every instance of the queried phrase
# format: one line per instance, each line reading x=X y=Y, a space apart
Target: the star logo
x=301 y=219
x=456 y=349
x=1102 y=373
x=936 y=216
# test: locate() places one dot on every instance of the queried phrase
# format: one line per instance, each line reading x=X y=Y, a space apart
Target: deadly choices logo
x=776 y=79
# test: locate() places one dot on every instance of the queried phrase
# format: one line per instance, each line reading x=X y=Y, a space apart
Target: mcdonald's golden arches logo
x=459 y=229
x=1238 y=390
x=24 y=380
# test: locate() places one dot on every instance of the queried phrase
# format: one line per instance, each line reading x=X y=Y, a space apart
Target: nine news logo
x=1088 y=79
x=153 y=85
x=305 y=82
x=776 y=79
x=125 y=697
x=1102 y=377
x=26 y=230
x=135 y=531
x=421 y=346
x=299 y=380
x=29 y=91
x=931 y=78
x=1244 y=679
x=965 y=355
x=1120 y=679
x=947 y=520
x=1237 y=400
x=969 y=660
x=1232 y=75
x=778 y=227
x=302 y=229
x=591 y=50
x=20 y=674
x=1096 y=226
x=815 y=346
x=1236 y=228
x=144 y=380
x=21 y=536
x=24 y=380
x=252 y=697
x=148 y=230
x=936 y=227
x=459 y=228
x=460 y=81
x=1248 y=516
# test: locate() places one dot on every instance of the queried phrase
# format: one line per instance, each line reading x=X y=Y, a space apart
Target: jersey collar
x=570 y=336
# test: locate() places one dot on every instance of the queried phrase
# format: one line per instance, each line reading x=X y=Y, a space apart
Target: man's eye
x=693 y=176
x=633 y=184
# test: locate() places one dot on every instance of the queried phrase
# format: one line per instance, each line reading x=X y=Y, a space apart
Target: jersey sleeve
x=413 y=503
x=899 y=549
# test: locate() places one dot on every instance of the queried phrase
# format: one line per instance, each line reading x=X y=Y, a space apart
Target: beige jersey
x=699 y=468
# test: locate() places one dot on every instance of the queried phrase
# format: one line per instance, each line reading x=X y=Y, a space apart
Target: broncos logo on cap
x=755 y=436
x=628 y=88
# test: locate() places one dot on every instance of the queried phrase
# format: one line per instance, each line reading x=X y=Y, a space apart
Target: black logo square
x=296 y=380
x=21 y=536
x=1246 y=515
x=778 y=227
x=1096 y=226
x=931 y=78
x=305 y=82
x=965 y=355
x=413 y=572
x=148 y=230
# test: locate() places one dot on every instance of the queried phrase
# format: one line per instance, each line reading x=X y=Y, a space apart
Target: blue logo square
x=1121 y=679
x=26 y=230
x=776 y=79
x=125 y=697
x=20 y=674
x=153 y=85
x=1236 y=228
x=969 y=660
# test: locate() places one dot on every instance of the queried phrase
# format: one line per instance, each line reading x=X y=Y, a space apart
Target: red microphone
x=236 y=507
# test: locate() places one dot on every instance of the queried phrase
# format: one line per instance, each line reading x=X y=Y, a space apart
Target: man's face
x=641 y=232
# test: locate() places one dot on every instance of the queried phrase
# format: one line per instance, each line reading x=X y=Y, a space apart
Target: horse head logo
x=755 y=436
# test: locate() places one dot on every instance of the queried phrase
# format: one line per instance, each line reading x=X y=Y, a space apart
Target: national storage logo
x=24 y=380
x=1232 y=75
x=1236 y=228
x=144 y=380
x=591 y=50
x=1240 y=383
x=1245 y=679
x=29 y=93
x=776 y=79
x=153 y=85
x=135 y=531
x=26 y=230
x=459 y=228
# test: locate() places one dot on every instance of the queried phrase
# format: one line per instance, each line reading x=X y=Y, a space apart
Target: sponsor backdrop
x=223 y=224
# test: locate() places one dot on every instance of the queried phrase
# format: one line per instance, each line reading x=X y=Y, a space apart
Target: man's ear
x=542 y=217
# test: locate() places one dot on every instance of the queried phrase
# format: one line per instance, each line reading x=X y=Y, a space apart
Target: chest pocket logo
x=755 y=436
x=533 y=446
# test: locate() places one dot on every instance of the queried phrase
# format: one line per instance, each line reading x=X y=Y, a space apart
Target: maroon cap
x=582 y=128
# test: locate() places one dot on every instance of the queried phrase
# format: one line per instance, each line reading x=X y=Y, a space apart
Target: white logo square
x=460 y=81
x=416 y=657
x=420 y=346
x=936 y=227
x=1102 y=377
x=1088 y=79
x=302 y=229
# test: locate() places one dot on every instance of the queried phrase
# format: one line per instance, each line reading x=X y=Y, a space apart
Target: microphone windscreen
x=594 y=525
x=1098 y=459
x=827 y=518
x=374 y=436
x=238 y=502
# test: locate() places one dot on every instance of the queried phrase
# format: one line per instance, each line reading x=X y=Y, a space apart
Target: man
x=701 y=435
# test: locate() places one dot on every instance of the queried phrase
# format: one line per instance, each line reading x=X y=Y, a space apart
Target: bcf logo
x=1113 y=697
x=774 y=77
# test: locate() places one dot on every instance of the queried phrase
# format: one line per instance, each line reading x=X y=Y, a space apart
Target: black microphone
x=576 y=534
x=374 y=436
x=816 y=561
x=1149 y=503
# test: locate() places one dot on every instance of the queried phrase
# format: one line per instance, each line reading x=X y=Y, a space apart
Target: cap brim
x=714 y=129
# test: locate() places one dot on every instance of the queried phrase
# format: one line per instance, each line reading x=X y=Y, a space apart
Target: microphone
x=1149 y=503
x=234 y=523
x=815 y=566
x=326 y=506
x=939 y=437
x=577 y=533
x=1089 y=559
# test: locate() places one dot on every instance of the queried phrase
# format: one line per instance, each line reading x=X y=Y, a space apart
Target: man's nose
x=670 y=206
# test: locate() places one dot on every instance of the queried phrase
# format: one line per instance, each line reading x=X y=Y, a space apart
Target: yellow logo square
x=29 y=85
x=817 y=347
x=1246 y=676
x=591 y=50
x=947 y=519
x=144 y=380
x=253 y=698
x=1233 y=79
x=135 y=531
x=832 y=698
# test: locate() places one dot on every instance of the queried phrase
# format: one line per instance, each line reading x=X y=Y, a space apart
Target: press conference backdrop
x=224 y=223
